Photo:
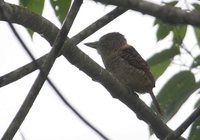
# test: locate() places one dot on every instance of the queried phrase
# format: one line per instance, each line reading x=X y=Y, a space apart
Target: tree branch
x=21 y=72
x=174 y=135
x=166 y=13
x=76 y=57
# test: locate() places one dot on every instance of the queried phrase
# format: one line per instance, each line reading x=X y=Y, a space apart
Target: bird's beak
x=93 y=44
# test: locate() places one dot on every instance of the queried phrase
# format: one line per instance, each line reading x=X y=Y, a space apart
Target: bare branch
x=174 y=135
x=166 y=13
x=21 y=72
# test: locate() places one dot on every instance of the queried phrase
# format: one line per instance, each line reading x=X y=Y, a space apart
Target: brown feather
x=132 y=57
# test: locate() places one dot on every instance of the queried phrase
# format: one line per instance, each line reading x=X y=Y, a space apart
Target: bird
x=126 y=64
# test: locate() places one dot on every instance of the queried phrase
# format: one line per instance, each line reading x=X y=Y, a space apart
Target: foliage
x=179 y=87
x=35 y=6
x=159 y=62
x=175 y=92
x=60 y=8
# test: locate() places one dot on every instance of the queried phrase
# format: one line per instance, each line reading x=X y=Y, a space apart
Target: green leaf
x=160 y=61
x=197 y=104
x=197 y=34
x=61 y=8
x=172 y=3
x=196 y=62
x=35 y=6
x=196 y=6
x=195 y=130
x=163 y=29
x=159 y=69
x=175 y=92
x=179 y=33
x=30 y=32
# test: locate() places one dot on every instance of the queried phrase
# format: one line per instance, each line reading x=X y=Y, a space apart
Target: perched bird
x=126 y=64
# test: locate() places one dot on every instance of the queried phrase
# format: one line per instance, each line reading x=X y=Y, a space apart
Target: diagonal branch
x=166 y=13
x=21 y=72
x=174 y=135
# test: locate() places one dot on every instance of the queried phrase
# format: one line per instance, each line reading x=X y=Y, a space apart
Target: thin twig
x=21 y=72
x=187 y=51
x=177 y=133
x=22 y=135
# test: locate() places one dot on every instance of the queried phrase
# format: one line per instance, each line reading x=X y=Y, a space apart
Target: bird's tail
x=156 y=103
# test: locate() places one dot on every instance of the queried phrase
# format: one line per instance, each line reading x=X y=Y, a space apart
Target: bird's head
x=108 y=43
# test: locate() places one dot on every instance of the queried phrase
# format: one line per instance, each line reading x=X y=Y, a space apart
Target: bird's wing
x=132 y=57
